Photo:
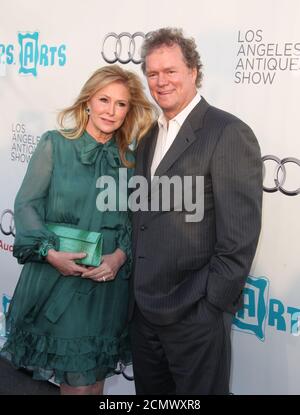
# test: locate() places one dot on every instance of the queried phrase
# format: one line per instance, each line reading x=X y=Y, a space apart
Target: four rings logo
x=279 y=175
x=7 y=225
x=123 y=47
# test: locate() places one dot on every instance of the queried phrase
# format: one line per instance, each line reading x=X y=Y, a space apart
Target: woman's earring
x=88 y=111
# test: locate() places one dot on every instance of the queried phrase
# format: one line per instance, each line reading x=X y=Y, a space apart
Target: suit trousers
x=189 y=357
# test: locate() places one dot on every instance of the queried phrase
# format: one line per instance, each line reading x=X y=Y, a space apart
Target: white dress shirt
x=168 y=130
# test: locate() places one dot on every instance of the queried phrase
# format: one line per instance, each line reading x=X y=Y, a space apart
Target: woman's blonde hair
x=138 y=120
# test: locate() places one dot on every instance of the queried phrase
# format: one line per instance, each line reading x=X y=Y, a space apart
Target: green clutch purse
x=78 y=240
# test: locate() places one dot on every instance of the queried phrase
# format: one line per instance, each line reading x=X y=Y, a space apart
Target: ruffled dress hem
x=75 y=362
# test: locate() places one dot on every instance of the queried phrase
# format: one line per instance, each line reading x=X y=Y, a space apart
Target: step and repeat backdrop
x=251 y=56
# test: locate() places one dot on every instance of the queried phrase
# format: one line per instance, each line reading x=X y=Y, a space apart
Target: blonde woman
x=66 y=320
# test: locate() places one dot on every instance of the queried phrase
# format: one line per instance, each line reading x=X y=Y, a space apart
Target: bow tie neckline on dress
x=92 y=149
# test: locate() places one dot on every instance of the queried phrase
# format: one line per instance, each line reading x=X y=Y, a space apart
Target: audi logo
x=121 y=370
x=122 y=47
x=7 y=225
x=279 y=175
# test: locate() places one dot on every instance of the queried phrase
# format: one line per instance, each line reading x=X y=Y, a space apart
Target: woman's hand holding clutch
x=108 y=268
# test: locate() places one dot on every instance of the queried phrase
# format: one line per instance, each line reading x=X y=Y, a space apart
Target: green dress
x=69 y=328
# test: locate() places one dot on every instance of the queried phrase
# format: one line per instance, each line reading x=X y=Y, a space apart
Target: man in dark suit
x=189 y=273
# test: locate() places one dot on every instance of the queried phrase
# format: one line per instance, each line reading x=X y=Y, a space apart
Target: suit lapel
x=185 y=137
x=149 y=153
x=183 y=140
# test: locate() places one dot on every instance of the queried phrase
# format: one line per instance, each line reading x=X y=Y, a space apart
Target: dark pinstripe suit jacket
x=178 y=262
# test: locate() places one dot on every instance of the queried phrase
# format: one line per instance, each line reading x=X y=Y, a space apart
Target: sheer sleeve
x=33 y=240
x=124 y=243
x=124 y=239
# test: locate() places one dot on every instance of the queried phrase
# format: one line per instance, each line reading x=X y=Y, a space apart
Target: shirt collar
x=181 y=117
